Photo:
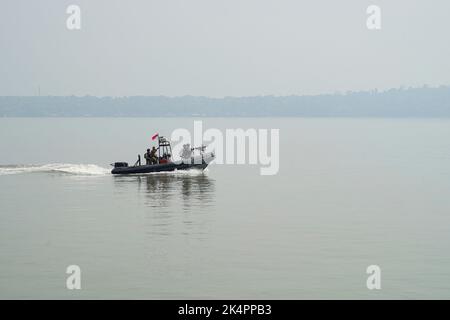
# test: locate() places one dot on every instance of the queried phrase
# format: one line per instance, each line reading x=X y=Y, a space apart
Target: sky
x=221 y=48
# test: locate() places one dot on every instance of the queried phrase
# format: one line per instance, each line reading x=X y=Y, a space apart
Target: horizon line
x=336 y=93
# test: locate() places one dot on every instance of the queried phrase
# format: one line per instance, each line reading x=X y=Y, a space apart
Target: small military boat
x=191 y=158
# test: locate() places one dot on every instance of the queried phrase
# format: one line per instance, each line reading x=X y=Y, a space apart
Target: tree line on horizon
x=412 y=102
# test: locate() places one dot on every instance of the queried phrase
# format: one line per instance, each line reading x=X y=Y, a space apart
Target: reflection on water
x=193 y=191
x=176 y=202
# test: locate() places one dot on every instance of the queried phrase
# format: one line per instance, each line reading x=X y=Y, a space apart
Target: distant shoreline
x=422 y=102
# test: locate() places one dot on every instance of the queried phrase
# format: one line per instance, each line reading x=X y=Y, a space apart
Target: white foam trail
x=192 y=172
x=65 y=168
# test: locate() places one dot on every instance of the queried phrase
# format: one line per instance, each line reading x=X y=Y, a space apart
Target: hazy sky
x=221 y=47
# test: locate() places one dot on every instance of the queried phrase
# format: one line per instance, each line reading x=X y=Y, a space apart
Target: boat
x=164 y=163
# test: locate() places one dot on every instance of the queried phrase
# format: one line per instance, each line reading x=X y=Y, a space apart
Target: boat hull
x=194 y=163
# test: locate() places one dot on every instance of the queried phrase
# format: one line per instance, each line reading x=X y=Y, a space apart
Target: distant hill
x=413 y=102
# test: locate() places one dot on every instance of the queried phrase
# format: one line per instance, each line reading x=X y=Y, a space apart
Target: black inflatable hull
x=158 y=168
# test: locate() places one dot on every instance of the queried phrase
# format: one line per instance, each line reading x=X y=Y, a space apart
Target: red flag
x=154 y=136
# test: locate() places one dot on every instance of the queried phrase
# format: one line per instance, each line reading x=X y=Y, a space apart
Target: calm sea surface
x=349 y=193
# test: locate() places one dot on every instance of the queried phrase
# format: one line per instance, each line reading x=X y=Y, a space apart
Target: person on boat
x=153 y=157
x=147 y=156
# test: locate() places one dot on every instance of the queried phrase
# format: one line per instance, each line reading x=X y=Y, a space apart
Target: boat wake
x=63 y=168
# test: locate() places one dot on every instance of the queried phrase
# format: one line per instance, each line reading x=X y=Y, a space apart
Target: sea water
x=350 y=193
